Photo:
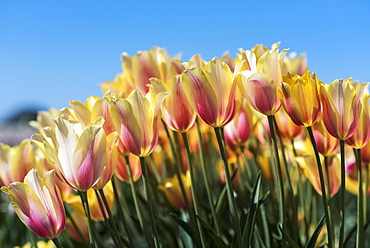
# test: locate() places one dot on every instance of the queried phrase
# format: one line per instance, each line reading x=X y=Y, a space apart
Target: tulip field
x=251 y=150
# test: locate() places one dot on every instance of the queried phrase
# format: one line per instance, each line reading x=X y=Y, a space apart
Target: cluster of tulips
x=251 y=151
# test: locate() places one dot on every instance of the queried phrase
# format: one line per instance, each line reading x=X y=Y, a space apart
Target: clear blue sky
x=52 y=52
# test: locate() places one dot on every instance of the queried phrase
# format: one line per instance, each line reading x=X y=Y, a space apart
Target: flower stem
x=360 y=238
x=282 y=210
x=85 y=202
x=139 y=213
x=205 y=178
x=322 y=184
x=230 y=190
x=56 y=242
x=192 y=179
x=115 y=232
x=177 y=171
x=342 y=191
x=290 y=187
x=149 y=199
x=120 y=212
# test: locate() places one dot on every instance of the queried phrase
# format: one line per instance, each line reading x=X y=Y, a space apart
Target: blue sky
x=52 y=52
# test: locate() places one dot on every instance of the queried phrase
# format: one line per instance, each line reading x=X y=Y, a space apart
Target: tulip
x=340 y=102
x=95 y=210
x=261 y=93
x=15 y=162
x=135 y=119
x=310 y=170
x=361 y=135
x=172 y=190
x=300 y=98
x=287 y=127
x=327 y=145
x=38 y=204
x=79 y=154
x=211 y=92
x=76 y=226
x=121 y=168
x=237 y=131
x=176 y=110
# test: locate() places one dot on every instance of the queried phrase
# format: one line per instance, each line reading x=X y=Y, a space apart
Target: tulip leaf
x=311 y=243
x=189 y=229
x=216 y=240
x=248 y=228
x=221 y=202
x=288 y=239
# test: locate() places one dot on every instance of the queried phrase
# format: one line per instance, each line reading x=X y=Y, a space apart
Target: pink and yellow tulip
x=211 y=92
x=136 y=121
x=176 y=110
x=38 y=204
x=79 y=154
x=340 y=103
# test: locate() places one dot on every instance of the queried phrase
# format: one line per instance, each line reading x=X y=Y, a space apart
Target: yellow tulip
x=301 y=99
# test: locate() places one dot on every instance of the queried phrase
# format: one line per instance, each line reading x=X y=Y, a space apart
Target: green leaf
x=248 y=228
x=221 y=203
x=288 y=239
x=216 y=240
x=189 y=229
x=311 y=243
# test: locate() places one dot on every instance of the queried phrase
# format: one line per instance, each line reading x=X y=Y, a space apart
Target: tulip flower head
x=176 y=110
x=38 y=204
x=211 y=92
x=79 y=154
x=301 y=99
x=135 y=119
x=340 y=103
x=261 y=93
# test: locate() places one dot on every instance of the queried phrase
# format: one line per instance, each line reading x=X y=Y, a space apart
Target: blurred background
x=52 y=52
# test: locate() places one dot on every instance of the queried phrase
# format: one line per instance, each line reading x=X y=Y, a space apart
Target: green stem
x=177 y=171
x=85 y=202
x=205 y=178
x=142 y=221
x=290 y=187
x=365 y=191
x=360 y=238
x=115 y=233
x=56 y=242
x=342 y=191
x=322 y=183
x=192 y=179
x=149 y=199
x=328 y=190
x=120 y=211
x=229 y=186
x=282 y=210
